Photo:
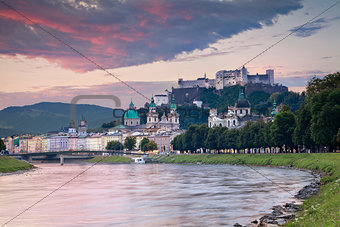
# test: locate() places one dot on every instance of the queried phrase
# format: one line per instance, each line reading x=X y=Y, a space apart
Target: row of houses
x=90 y=142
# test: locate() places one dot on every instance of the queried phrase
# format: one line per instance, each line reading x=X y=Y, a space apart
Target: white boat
x=139 y=160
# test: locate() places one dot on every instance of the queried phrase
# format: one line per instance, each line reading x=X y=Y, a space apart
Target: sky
x=151 y=43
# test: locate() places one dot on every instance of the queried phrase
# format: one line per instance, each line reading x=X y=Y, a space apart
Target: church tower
x=244 y=76
x=82 y=128
x=152 y=117
x=173 y=116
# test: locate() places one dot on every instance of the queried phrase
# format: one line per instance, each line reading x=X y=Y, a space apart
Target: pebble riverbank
x=281 y=214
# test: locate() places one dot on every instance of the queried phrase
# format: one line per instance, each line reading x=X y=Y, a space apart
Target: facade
x=152 y=117
x=167 y=123
x=236 y=116
x=202 y=82
x=115 y=136
x=94 y=143
x=82 y=128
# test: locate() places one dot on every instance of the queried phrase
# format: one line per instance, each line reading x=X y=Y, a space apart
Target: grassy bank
x=9 y=164
x=320 y=210
x=111 y=159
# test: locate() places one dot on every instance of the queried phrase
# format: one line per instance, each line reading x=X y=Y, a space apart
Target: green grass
x=111 y=159
x=322 y=209
x=10 y=164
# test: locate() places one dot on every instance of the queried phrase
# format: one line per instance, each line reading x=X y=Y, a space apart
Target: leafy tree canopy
x=130 y=142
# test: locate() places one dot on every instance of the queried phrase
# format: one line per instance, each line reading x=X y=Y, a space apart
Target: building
x=111 y=136
x=161 y=100
x=236 y=117
x=202 y=82
x=227 y=78
x=152 y=117
x=94 y=142
x=131 y=116
x=82 y=128
x=167 y=123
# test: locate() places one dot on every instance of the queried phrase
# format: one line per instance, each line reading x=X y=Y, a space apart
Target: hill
x=49 y=116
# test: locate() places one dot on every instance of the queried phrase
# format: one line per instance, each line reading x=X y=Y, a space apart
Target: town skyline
x=47 y=71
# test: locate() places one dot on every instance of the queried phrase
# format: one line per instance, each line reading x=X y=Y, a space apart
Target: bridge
x=70 y=155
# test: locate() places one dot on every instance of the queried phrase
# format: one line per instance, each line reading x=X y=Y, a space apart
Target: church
x=167 y=123
x=132 y=120
x=236 y=117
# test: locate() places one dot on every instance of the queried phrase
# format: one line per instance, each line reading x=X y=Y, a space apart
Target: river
x=146 y=195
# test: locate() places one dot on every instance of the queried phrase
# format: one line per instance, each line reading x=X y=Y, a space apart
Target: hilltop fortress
x=229 y=78
x=189 y=91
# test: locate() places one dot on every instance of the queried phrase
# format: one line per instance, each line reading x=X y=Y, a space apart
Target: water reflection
x=146 y=195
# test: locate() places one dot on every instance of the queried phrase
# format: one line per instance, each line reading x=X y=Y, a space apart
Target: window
x=234 y=122
x=240 y=111
x=220 y=124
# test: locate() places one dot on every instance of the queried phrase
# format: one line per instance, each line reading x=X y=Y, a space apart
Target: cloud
x=300 y=78
x=130 y=32
x=311 y=28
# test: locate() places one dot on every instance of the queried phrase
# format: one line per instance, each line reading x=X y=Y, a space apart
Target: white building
x=161 y=100
x=236 y=116
x=227 y=78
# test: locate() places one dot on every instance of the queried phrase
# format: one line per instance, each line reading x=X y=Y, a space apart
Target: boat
x=139 y=160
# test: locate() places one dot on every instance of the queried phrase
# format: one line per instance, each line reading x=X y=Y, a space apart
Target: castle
x=227 y=78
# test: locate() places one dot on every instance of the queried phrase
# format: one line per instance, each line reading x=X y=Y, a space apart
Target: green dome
x=131 y=114
x=152 y=104
x=173 y=105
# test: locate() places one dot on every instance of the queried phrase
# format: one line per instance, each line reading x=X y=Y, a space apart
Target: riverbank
x=10 y=164
x=321 y=209
x=111 y=159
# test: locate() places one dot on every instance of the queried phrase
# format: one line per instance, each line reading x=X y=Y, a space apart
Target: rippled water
x=146 y=195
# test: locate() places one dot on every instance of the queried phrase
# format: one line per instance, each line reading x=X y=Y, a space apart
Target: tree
x=283 y=128
x=231 y=138
x=114 y=145
x=177 y=142
x=188 y=142
x=2 y=145
x=151 y=146
x=211 y=140
x=302 y=133
x=143 y=142
x=323 y=96
x=130 y=142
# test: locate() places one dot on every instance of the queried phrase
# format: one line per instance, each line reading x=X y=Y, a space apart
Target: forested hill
x=261 y=101
x=49 y=116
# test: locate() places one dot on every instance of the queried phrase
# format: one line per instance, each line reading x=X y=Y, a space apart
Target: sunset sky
x=152 y=43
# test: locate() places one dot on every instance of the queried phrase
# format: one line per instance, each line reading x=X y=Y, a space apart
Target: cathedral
x=167 y=123
x=132 y=120
x=236 y=117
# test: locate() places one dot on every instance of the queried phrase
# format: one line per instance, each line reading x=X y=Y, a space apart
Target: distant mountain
x=49 y=116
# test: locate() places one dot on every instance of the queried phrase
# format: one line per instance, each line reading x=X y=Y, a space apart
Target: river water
x=145 y=195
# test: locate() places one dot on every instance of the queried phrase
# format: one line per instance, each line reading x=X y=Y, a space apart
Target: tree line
x=130 y=144
x=314 y=126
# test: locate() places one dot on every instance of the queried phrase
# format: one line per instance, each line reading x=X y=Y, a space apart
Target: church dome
x=242 y=102
x=152 y=104
x=131 y=114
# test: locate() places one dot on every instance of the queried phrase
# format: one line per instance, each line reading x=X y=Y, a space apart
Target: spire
x=131 y=106
x=241 y=95
x=173 y=104
x=152 y=104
